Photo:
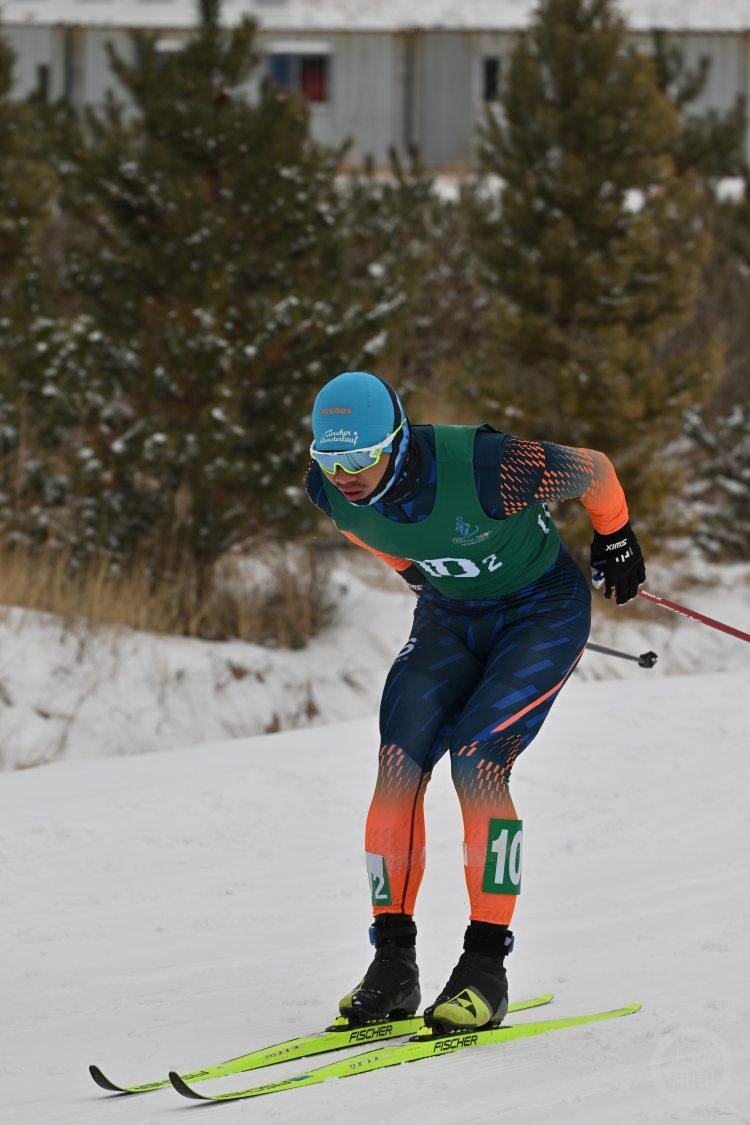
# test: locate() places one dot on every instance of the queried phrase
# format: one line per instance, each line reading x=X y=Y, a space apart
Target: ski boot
x=476 y=994
x=390 y=987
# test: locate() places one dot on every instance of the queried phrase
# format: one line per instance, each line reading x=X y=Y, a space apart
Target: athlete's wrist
x=414 y=578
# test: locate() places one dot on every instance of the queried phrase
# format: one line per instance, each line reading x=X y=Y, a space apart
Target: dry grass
x=275 y=597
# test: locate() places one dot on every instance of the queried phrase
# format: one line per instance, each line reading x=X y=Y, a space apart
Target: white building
x=388 y=73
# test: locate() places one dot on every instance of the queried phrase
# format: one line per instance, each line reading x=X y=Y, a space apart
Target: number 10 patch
x=502 y=865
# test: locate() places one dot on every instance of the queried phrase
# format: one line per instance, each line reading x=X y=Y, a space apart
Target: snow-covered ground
x=176 y=908
x=75 y=693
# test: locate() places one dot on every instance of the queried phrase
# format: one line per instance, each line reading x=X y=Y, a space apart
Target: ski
x=421 y=1046
x=304 y=1046
x=300 y=1047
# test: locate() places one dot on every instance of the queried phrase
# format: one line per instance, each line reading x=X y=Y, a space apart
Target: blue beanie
x=354 y=410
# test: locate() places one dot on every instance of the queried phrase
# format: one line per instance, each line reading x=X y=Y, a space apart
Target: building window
x=491 y=79
x=308 y=75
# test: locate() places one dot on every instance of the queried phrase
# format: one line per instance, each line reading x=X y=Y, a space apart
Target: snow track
x=169 y=909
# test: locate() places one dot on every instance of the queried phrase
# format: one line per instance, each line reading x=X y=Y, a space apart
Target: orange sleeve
x=392 y=560
x=604 y=499
x=545 y=471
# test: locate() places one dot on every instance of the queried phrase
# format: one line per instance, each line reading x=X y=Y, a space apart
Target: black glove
x=617 y=564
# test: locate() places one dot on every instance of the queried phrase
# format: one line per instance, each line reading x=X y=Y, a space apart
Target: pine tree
x=203 y=262
x=26 y=189
x=408 y=247
x=710 y=143
x=719 y=489
x=592 y=252
x=718 y=457
x=725 y=299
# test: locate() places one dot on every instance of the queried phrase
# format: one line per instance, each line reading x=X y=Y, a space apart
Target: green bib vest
x=461 y=551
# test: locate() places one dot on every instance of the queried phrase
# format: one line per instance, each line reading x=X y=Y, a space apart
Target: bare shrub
x=276 y=597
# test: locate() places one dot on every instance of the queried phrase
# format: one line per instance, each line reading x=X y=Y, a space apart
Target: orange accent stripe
x=530 y=706
x=392 y=560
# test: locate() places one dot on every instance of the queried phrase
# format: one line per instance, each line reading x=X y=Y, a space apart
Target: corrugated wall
x=34 y=47
x=386 y=88
x=366 y=94
x=95 y=77
x=443 y=87
x=443 y=98
x=496 y=45
x=728 y=73
x=366 y=84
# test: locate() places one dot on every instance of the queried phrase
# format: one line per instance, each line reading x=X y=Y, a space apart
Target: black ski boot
x=477 y=992
x=390 y=987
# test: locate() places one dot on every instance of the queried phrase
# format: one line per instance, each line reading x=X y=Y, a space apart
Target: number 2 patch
x=502 y=865
x=380 y=887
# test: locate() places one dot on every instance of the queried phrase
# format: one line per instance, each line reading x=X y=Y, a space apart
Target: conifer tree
x=204 y=262
x=408 y=245
x=26 y=186
x=725 y=299
x=710 y=143
x=718 y=434
x=24 y=191
x=593 y=250
x=719 y=489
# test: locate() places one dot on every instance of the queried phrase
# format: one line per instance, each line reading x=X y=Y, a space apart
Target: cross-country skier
x=502 y=617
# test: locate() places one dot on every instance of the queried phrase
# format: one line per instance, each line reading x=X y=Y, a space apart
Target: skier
x=502 y=618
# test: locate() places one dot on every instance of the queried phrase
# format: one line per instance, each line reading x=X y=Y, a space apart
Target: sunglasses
x=352 y=461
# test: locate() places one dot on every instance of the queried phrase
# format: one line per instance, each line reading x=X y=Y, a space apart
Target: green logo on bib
x=502 y=865
x=469 y=534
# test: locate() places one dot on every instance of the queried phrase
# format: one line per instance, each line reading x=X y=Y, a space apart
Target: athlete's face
x=358 y=486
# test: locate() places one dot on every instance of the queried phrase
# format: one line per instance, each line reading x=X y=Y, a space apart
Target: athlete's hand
x=617 y=564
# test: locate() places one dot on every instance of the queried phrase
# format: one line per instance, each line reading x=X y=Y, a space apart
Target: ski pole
x=695 y=616
x=645 y=660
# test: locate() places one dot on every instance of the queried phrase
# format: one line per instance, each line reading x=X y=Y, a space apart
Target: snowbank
x=79 y=693
x=85 y=693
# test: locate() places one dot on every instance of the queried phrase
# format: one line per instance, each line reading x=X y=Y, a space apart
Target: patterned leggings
x=476 y=678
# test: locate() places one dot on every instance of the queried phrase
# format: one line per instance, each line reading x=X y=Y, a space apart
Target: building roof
x=370 y=15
